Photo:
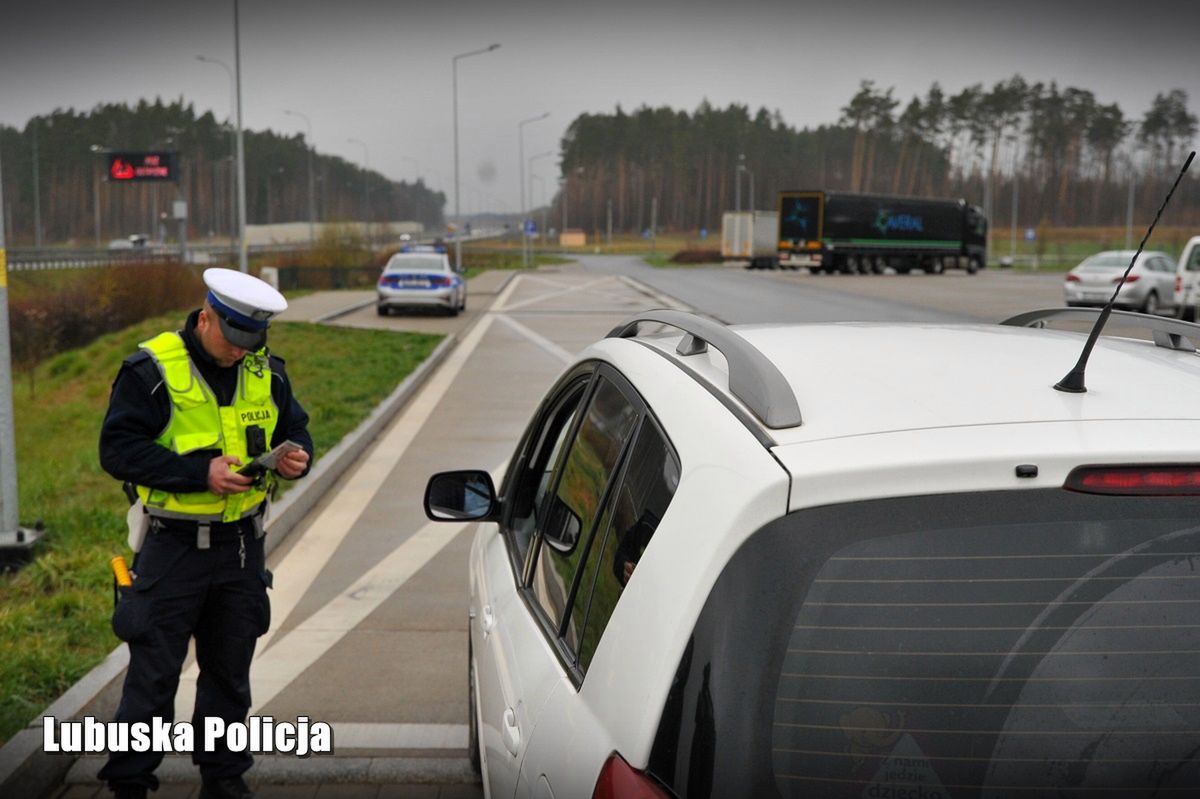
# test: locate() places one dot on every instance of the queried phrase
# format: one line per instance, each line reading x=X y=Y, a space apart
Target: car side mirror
x=563 y=527
x=467 y=495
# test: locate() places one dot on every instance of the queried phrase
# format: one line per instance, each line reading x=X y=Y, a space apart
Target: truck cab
x=1187 y=280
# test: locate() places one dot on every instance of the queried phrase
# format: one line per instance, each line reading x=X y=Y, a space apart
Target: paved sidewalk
x=369 y=623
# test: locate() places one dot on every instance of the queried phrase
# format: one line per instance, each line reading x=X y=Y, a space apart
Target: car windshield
x=416 y=263
x=962 y=645
x=1106 y=261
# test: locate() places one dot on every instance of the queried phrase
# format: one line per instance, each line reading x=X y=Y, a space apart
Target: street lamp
x=521 y=168
x=366 y=183
x=241 y=142
x=233 y=134
x=312 y=203
x=270 y=213
x=529 y=172
x=96 y=149
x=457 y=206
x=742 y=168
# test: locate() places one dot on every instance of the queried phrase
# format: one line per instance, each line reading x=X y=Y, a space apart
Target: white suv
x=858 y=560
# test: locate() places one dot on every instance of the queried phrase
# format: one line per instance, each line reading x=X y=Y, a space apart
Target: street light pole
x=12 y=537
x=233 y=139
x=241 y=143
x=457 y=205
x=529 y=172
x=521 y=169
x=96 y=149
x=312 y=203
x=366 y=186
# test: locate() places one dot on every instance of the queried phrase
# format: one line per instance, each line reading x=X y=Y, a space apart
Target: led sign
x=138 y=167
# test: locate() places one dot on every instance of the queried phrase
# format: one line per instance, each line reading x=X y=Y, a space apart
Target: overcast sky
x=380 y=71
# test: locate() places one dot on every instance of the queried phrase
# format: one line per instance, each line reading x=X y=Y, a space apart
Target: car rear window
x=416 y=264
x=1008 y=643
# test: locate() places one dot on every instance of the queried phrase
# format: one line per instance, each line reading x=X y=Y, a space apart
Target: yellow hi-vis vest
x=199 y=422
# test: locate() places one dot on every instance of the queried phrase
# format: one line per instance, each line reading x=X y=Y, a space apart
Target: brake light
x=1148 y=480
x=1178 y=283
x=384 y=281
x=1130 y=279
x=1072 y=278
x=441 y=281
x=619 y=780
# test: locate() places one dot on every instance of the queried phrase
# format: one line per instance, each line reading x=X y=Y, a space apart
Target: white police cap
x=244 y=306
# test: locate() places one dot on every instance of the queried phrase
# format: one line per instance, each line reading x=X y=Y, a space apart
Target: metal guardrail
x=31 y=259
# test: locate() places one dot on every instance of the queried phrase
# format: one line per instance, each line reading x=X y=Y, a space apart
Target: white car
x=420 y=277
x=1149 y=288
x=859 y=560
x=1187 y=280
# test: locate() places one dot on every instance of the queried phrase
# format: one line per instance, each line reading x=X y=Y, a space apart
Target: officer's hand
x=222 y=480
x=292 y=464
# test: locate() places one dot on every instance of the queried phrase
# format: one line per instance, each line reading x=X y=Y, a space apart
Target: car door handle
x=511 y=733
x=487 y=619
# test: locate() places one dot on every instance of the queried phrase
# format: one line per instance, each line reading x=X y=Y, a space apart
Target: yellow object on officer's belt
x=121 y=571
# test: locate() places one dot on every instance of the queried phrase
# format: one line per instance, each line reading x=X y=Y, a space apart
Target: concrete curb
x=349 y=309
x=27 y=771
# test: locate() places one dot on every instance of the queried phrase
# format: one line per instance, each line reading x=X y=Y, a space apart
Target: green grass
x=54 y=614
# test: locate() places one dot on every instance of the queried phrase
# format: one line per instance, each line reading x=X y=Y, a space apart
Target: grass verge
x=54 y=614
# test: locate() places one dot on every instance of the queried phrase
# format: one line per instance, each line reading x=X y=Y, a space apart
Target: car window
x=543 y=452
x=649 y=479
x=568 y=513
x=1194 y=261
x=1032 y=643
x=410 y=263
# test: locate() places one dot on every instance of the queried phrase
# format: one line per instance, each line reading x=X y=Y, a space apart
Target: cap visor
x=243 y=339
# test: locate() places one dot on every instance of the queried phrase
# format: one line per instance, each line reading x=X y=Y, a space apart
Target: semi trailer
x=750 y=236
x=829 y=232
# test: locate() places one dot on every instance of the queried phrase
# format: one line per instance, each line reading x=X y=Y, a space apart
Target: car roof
x=854 y=379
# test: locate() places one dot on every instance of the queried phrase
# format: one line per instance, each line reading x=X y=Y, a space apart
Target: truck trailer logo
x=887 y=222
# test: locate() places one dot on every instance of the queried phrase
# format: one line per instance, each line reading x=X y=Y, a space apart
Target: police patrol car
x=420 y=277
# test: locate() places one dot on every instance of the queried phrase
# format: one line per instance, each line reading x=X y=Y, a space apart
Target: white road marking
x=302 y=646
x=551 y=295
x=538 y=339
x=499 y=304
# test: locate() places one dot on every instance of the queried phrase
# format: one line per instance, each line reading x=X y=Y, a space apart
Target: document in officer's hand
x=269 y=460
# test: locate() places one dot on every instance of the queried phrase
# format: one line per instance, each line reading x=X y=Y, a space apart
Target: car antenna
x=1073 y=382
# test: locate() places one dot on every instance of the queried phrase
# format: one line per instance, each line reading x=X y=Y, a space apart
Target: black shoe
x=128 y=791
x=225 y=788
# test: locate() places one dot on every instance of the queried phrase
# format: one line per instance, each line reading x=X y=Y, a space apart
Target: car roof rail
x=1173 y=334
x=753 y=379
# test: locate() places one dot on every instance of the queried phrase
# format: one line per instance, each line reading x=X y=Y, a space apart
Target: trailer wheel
x=936 y=267
x=878 y=264
x=973 y=265
x=848 y=265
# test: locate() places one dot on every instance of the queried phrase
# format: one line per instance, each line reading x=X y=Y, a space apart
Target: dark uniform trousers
x=179 y=592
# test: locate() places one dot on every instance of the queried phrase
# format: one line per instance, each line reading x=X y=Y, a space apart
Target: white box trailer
x=750 y=236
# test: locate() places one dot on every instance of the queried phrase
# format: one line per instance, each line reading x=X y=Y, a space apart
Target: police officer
x=187 y=410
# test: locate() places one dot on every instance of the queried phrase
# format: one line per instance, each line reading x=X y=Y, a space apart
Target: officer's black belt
x=205 y=531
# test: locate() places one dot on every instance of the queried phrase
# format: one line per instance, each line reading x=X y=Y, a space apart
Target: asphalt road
x=737 y=295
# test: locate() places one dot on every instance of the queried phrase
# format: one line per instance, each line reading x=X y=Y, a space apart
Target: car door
x=560 y=507
x=569 y=745
x=500 y=645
